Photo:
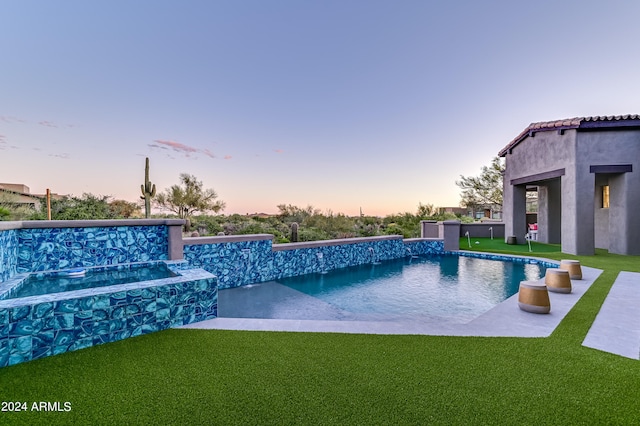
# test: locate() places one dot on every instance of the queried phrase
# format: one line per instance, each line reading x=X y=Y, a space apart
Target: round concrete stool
x=557 y=280
x=533 y=297
x=573 y=266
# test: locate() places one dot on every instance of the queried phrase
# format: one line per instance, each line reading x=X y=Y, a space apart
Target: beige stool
x=533 y=297
x=573 y=266
x=557 y=280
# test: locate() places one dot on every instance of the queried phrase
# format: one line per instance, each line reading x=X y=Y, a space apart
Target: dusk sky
x=341 y=105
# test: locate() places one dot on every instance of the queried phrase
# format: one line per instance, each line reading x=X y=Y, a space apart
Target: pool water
x=452 y=288
x=38 y=284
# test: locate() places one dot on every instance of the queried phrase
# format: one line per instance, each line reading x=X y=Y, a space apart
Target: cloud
x=279 y=151
x=64 y=156
x=186 y=150
x=176 y=146
x=228 y=157
x=152 y=145
x=47 y=124
x=4 y=145
x=11 y=119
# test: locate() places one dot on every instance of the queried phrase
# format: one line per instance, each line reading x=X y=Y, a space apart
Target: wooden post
x=48 y=204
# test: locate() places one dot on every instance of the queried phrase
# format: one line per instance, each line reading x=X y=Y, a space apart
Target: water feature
x=410 y=254
x=246 y=260
x=374 y=259
x=321 y=263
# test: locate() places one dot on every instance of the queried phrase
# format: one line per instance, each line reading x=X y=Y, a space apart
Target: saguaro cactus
x=294 y=232
x=148 y=190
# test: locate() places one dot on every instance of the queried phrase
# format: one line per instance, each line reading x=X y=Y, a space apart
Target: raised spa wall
x=34 y=246
x=53 y=324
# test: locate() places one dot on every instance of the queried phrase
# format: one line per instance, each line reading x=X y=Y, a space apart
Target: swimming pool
x=451 y=288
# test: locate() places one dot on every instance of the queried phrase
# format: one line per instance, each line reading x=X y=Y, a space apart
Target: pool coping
x=503 y=320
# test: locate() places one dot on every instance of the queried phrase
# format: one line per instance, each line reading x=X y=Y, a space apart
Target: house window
x=605 y=197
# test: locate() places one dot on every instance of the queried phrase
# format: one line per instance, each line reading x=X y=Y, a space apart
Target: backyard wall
x=450 y=231
x=483 y=230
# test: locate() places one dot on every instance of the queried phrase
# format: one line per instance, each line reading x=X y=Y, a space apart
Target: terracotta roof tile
x=567 y=123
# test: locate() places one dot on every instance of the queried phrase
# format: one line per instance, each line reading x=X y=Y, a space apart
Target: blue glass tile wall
x=289 y=263
x=247 y=262
x=8 y=254
x=234 y=264
x=32 y=331
x=60 y=248
x=420 y=247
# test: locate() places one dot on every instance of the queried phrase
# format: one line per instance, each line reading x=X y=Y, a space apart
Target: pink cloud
x=176 y=146
x=47 y=124
x=228 y=157
x=279 y=151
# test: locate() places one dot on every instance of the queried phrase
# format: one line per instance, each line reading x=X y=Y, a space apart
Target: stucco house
x=19 y=195
x=586 y=171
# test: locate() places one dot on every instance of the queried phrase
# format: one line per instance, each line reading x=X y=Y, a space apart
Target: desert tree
x=484 y=190
x=189 y=198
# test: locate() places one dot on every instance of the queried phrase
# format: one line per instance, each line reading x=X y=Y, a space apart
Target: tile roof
x=574 y=123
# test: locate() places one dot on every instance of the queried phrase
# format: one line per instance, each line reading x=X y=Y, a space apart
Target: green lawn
x=499 y=246
x=236 y=377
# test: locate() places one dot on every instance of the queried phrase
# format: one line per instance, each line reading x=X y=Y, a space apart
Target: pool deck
x=504 y=320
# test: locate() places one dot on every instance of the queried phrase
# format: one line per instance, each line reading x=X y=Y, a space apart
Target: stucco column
x=578 y=213
x=428 y=229
x=549 y=212
x=624 y=231
x=449 y=231
x=174 y=240
x=515 y=211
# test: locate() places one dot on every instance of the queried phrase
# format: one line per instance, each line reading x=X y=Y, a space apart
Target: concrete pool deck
x=309 y=314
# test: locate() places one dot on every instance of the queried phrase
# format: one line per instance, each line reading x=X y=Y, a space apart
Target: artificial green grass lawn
x=239 y=377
